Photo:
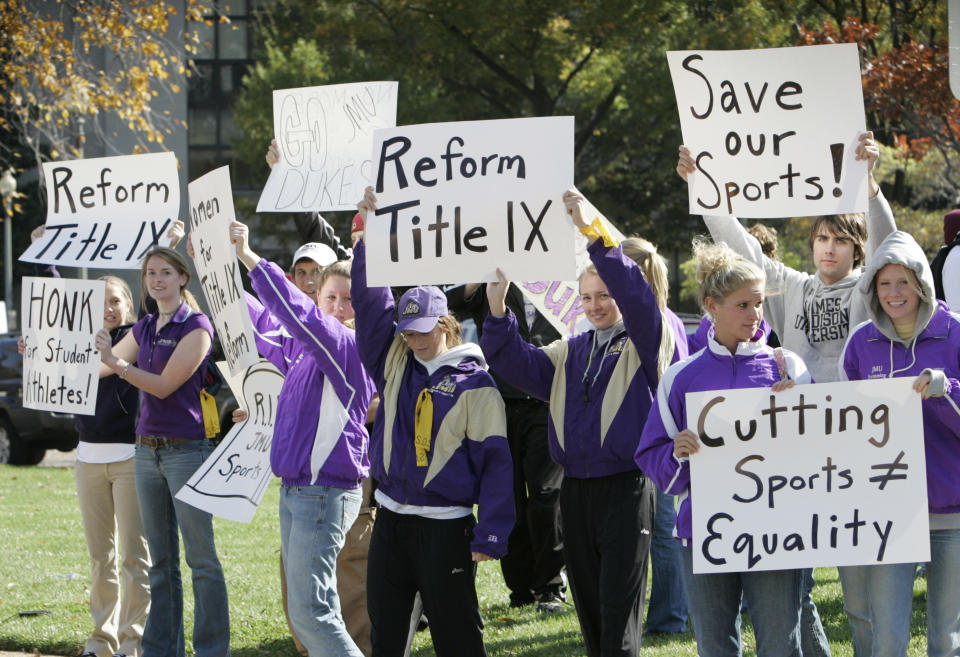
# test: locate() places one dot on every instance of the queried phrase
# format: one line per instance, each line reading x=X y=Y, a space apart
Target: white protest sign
x=233 y=479
x=457 y=200
x=774 y=132
x=211 y=211
x=559 y=301
x=325 y=135
x=830 y=474
x=61 y=365
x=106 y=212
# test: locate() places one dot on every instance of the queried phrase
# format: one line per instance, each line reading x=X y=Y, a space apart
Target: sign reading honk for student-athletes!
x=325 y=135
x=774 y=132
x=106 y=212
x=830 y=474
x=61 y=365
x=211 y=212
x=457 y=200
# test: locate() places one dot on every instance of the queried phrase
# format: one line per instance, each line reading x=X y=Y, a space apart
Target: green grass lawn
x=44 y=566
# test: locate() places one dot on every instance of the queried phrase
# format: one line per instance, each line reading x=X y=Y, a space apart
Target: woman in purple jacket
x=319 y=447
x=171 y=348
x=910 y=333
x=600 y=386
x=438 y=448
x=736 y=356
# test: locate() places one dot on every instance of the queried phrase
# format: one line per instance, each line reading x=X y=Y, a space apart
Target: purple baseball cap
x=420 y=308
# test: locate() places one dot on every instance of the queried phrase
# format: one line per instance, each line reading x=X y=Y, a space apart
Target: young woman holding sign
x=600 y=386
x=736 y=356
x=319 y=447
x=172 y=348
x=438 y=447
x=910 y=333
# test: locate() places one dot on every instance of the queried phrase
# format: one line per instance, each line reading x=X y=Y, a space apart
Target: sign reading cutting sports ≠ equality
x=457 y=200
x=773 y=132
x=107 y=212
x=61 y=365
x=325 y=136
x=830 y=474
x=211 y=212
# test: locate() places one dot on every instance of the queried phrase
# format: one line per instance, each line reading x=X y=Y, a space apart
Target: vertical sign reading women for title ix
x=215 y=259
x=61 y=365
x=457 y=200
x=829 y=474
x=107 y=212
x=774 y=132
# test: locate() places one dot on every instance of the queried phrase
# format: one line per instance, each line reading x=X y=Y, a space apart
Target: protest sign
x=830 y=474
x=233 y=479
x=559 y=301
x=106 y=212
x=61 y=364
x=774 y=132
x=325 y=136
x=457 y=200
x=211 y=212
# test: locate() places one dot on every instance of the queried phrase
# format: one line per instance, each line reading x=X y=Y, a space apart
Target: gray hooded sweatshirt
x=811 y=318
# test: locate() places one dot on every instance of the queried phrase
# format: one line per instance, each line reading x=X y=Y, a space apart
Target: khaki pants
x=108 y=506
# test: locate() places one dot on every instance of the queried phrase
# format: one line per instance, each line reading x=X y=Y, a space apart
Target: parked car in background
x=26 y=434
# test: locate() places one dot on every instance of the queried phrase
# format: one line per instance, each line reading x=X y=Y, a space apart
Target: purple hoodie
x=598 y=404
x=319 y=436
x=712 y=368
x=468 y=461
x=875 y=351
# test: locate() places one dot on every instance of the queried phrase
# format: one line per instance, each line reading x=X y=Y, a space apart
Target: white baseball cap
x=321 y=254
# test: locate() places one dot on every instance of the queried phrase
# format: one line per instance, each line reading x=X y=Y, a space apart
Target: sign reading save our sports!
x=457 y=200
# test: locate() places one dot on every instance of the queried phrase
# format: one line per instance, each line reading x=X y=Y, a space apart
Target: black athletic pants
x=607 y=525
x=410 y=553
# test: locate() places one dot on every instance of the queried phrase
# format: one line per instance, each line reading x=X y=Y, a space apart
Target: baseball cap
x=951 y=226
x=321 y=254
x=420 y=308
x=356 y=224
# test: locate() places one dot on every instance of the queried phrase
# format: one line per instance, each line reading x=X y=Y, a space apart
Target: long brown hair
x=175 y=260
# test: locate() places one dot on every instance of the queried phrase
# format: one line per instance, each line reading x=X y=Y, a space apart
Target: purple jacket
x=712 y=368
x=595 y=415
x=874 y=350
x=319 y=436
x=698 y=340
x=469 y=458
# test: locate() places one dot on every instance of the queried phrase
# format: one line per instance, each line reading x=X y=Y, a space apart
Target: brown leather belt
x=154 y=442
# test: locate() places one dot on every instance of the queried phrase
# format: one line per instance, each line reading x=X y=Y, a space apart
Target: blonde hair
x=652 y=264
x=125 y=292
x=339 y=268
x=721 y=270
x=179 y=264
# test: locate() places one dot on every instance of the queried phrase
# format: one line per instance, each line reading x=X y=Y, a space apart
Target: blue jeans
x=879 y=601
x=943 y=593
x=714 y=601
x=160 y=474
x=813 y=639
x=668 y=604
x=314 y=521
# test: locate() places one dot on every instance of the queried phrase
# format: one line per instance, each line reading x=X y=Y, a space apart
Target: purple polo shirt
x=179 y=415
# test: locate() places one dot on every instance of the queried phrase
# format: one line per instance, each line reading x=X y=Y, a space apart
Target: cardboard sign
x=61 y=364
x=325 y=135
x=830 y=474
x=774 y=132
x=559 y=301
x=457 y=200
x=231 y=482
x=106 y=212
x=211 y=211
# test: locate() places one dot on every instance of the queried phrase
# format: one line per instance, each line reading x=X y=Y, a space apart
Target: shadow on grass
x=281 y=647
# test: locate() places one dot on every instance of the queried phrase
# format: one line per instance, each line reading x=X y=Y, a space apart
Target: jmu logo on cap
x=412 y=308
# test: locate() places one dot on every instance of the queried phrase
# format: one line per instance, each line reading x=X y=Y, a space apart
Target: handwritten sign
x=106 y=212
x=559 y=301
x=211 y=211
x=830 y=474
x=233 y=479
x=774 y=132
x=61 y=365
x=457 y=200
x=325 y=135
